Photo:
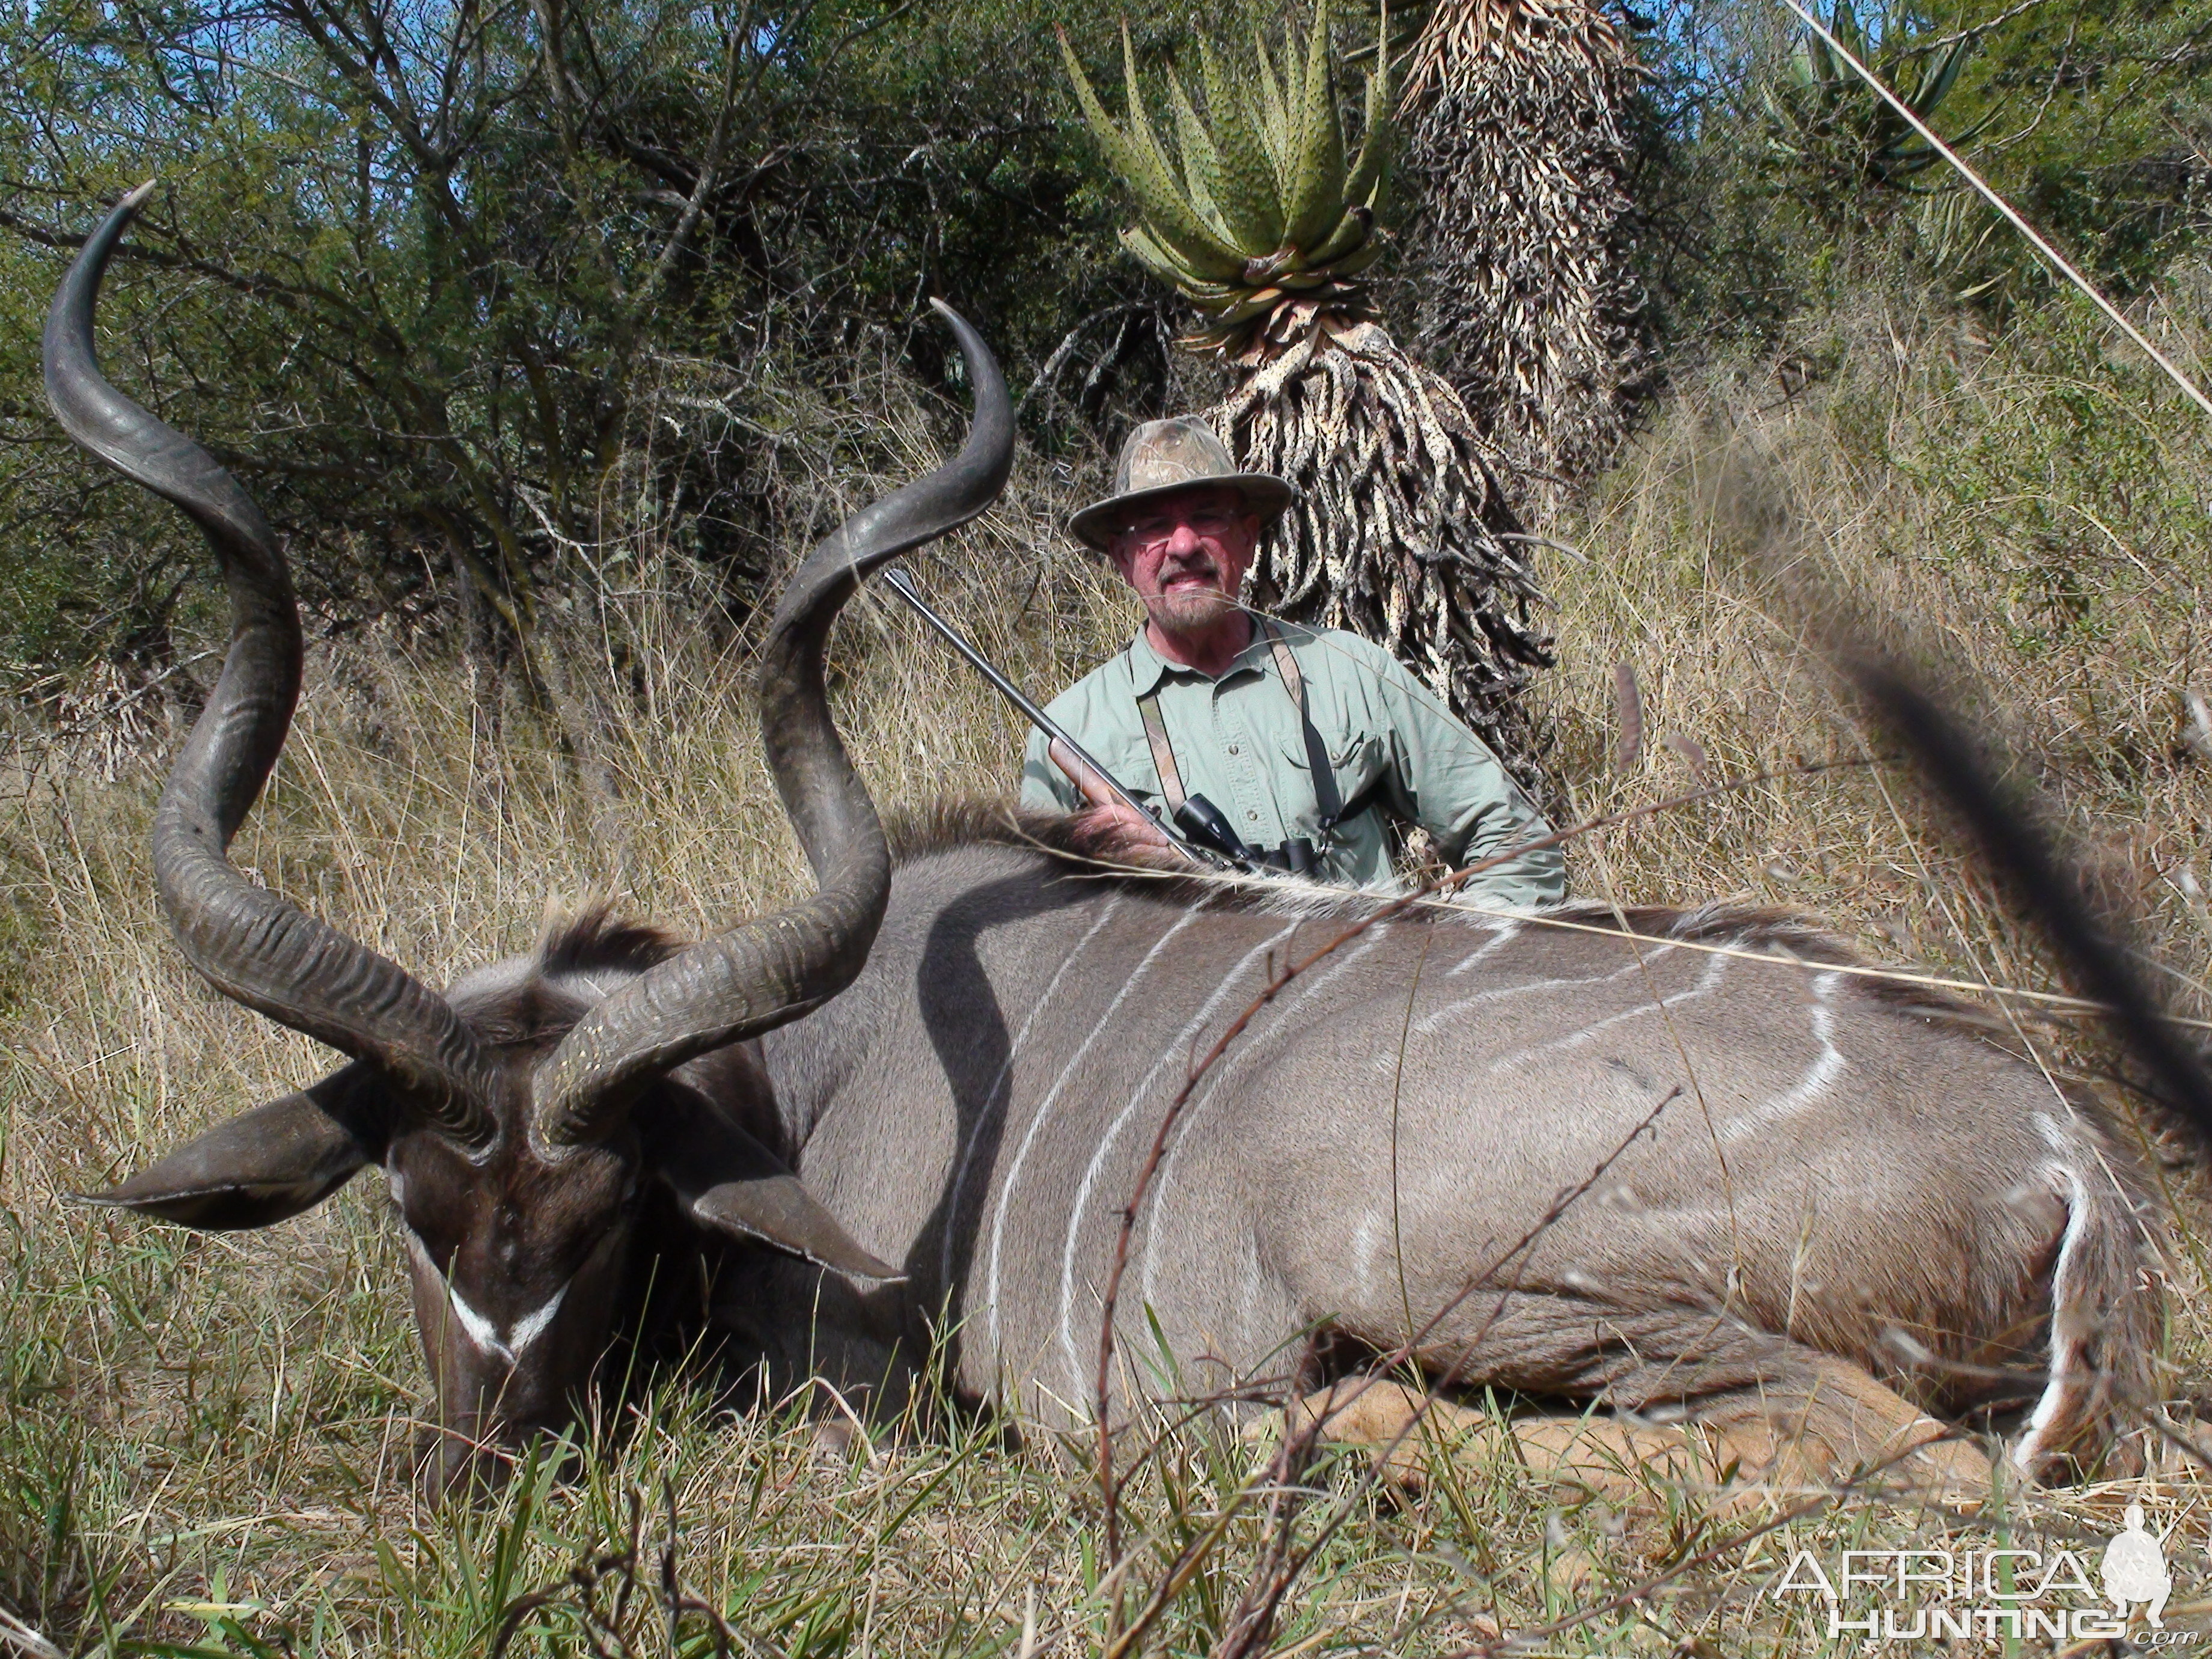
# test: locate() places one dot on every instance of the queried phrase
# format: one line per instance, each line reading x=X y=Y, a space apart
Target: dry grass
x=203 y=1439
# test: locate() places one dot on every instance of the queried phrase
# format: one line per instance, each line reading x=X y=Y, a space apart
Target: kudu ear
x=265 y=1165
x=729 y=1181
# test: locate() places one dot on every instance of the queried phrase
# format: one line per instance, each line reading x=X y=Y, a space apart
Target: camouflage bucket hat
x=1162 y=457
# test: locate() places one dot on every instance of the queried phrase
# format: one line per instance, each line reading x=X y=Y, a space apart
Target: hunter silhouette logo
x=2134 y=1571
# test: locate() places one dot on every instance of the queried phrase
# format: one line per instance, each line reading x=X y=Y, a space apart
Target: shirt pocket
x=1128 y=760
x=1356 y=760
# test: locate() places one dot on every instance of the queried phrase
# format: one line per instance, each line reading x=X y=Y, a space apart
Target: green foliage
x=1838 y=141
x=1262 y=201
x=2099 y=120
x=2062 y=475
x=1776 y=183
x=478 y=302
x=430 y=281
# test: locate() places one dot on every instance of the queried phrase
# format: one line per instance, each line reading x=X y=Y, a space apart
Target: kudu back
x=903 y=1116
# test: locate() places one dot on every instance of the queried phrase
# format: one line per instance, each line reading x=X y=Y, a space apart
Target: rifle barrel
x=904 y=587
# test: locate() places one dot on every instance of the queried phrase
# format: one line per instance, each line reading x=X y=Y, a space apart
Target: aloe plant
x=1518 y=116
x=1262 y=199
x=1827 y=121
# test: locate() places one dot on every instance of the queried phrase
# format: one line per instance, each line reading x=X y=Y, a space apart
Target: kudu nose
x=452 y=1465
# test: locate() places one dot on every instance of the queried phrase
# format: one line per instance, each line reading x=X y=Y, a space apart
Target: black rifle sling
x=1326 y=795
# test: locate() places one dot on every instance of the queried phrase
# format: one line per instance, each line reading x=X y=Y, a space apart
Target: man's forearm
x=1532 y=880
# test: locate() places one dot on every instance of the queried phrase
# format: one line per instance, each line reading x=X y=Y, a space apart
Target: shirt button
x=1233 y=748
x=1252 y=817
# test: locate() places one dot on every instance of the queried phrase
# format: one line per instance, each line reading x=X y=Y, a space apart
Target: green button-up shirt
x=1237 y=741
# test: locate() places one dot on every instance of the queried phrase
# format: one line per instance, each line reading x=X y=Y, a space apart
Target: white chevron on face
x=485 y=1336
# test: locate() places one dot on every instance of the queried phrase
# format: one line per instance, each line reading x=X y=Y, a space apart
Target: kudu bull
x=963 y=1052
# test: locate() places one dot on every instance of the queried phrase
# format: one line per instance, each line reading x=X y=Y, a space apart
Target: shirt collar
x=1147 y=668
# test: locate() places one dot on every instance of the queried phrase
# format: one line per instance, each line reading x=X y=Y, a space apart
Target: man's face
x=1186 y=555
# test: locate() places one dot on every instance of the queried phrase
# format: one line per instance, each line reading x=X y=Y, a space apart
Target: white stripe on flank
x=991 y=1095
x=1502 y=933
x=1044 y=1110
x=1254 y=1048
x=1714 y=969
x=1175 y=1053
x=1827 y=1066
x=1429 y=1023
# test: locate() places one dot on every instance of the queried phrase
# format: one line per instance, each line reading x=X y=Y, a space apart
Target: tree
x=435 y=280
x=1526 y=293
x=1264 y=218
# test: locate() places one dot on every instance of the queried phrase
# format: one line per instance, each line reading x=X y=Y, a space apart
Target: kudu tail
x=2106 y=1305
x=2107 y=1321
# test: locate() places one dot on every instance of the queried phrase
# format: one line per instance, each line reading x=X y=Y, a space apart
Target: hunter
x=1303 y=737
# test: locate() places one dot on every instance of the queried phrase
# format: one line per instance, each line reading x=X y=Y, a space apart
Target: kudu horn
x=774 y=968
x=248 y=943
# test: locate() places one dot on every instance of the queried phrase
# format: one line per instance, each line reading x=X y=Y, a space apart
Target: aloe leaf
x=1141 y=136
x=1378 y=199
x=1317 y=192
x=1275 y=129
x=1938 y=86
x=1120 y=155
x=1174 y=217
x=1135 y=156
x=1828 y=68
x=1157 y=259
x=1359 y=259
x=1376 y=128
x=1351 y=231
x=1256 y=305
x=1202 y=167
x=1248 y=183
x=1844 y=26
x=1215 y=294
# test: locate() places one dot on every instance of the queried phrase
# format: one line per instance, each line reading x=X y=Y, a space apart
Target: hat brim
x=1265 y=494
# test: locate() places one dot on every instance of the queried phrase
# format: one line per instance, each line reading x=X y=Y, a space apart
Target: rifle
x=1207 y=837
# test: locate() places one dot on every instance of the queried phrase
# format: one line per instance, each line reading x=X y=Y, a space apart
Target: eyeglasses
x=1151 y=532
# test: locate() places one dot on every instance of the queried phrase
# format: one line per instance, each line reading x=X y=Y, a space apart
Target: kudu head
x=519 y=1150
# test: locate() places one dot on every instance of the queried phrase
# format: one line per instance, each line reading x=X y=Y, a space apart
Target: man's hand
x=1108 y=826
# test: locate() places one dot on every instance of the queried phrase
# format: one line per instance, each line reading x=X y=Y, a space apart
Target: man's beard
x=1188 y=610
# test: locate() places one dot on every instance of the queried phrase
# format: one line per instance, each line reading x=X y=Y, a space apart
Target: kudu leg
x=1835 y=1423
x=1615 y=1458
x=1830 y=1424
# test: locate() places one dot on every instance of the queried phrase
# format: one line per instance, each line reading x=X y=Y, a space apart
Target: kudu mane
x=533 y=1001
x=601 y=939
x=947 y=826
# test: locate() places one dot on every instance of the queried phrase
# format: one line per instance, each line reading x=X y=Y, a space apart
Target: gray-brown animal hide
x=969 y=1059
x=1832 y=1168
